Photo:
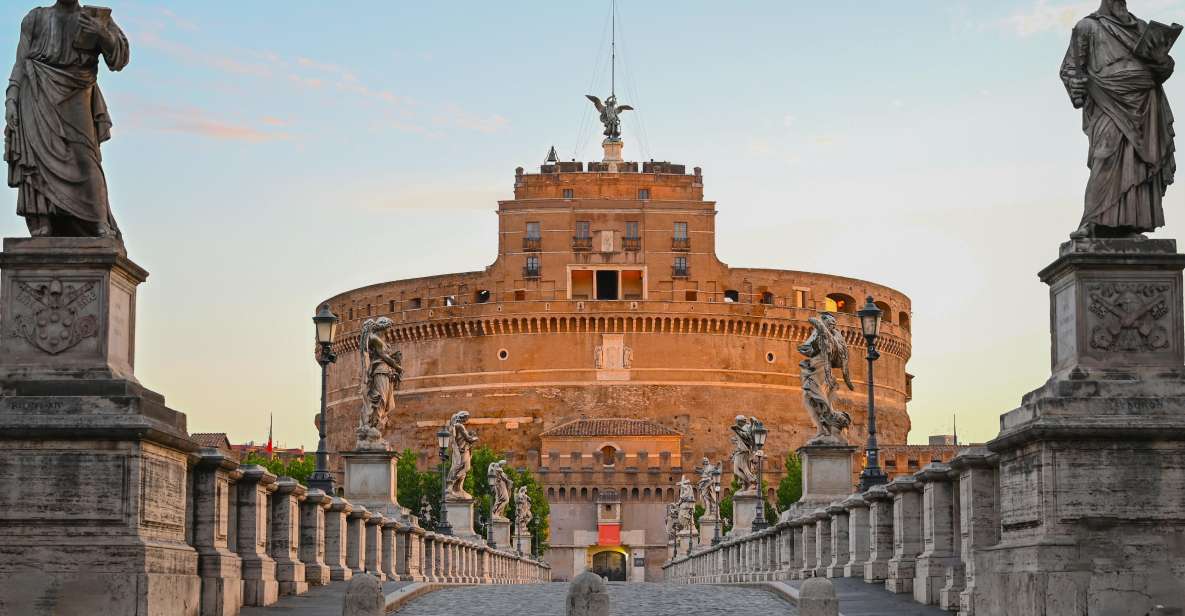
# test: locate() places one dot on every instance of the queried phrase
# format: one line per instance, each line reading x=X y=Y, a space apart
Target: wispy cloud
x=1046 y=16
x=195 y=121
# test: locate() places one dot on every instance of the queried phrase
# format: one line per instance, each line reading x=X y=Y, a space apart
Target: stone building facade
x=607 y=300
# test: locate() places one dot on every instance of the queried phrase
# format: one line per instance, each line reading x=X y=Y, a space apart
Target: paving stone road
x=624 y=600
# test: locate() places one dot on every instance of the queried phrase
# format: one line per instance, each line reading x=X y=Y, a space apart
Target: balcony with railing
x=532 y=244
x=631 y=244
x=681 y=244
x=581 y=243
x=680 y=271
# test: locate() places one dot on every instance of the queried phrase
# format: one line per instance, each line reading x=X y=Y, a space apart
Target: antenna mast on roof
x=613 y=48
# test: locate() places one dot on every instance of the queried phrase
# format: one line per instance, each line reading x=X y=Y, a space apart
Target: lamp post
x=442 y=440
x=488 y=521
x=518 y=536
x=716 y=490
x=759 y=434
x=870 y=323
x=325 y=323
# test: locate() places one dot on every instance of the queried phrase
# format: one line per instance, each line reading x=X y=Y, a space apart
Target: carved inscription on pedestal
x=1129 y=317
x=62 y=486
x=53 y=314
x=162 y=493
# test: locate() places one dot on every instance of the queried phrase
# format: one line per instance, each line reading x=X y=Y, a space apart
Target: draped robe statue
x=500 y=485
x=56 y=118
x=744 y=454
x=706 y=487
x=687 y=506
x=522 y=511
x=824 y=351
x=461 y=456
x=382 y=373
x=1127 y=120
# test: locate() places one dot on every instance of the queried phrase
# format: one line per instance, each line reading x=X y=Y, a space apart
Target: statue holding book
x=1114 y=71
x=56 y=118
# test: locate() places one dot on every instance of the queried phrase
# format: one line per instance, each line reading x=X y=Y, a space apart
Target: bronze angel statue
x=381 y=374
x=824 y=351
x=610 y=115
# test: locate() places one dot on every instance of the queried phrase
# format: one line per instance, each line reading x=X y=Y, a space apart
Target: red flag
x=269 y=434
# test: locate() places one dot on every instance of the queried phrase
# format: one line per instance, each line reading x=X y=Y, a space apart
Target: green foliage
x=296 y=468
x=790 y=487
x=414 y=484
x=540 y=509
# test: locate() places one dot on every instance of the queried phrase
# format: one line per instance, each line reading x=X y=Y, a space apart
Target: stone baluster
x=259 y=570
x=356 y=540
x=840 y=543
x=796 y=561
x=336 y=538
x=979 y=516
x=312 y=536
x=858 y=535
x=808 y=546
x=940 y=527
x=822 y=542
x=374 y=545
x=220 y=569
x=785 y=549
x=390 y=548
x=907 y=534
x=285 y=536
x=880 y=534
x=430 y=557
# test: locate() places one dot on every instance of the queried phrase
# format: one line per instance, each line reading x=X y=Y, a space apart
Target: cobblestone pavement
x=857 y=598
x=319 y=601
x=624 y=600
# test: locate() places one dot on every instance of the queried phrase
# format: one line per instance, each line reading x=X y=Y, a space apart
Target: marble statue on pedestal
x=745 y=453
x=382 y=373
x=461 y=456
x=500 y=486
x=425 y=512
x=824 y=350
x=686 y=505
x=672 y=521
x=1114 y=71
x=57 y=117
x=706 y=487
x=522 y=510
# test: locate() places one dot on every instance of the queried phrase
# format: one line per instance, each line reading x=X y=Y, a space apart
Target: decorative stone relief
x=1129 y=317
x=53 y=315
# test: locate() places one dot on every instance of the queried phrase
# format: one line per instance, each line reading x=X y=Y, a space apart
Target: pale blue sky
x=270 y=154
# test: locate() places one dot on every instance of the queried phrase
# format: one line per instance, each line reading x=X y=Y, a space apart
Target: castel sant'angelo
x=608 y=349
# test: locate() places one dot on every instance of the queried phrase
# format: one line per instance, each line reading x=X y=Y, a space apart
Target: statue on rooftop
x=1114 y=71
x=461 y=455
x=500 y=485
x=824 y=351
x=56 y=118
x=382 y=373
x=610 y=115
x=745 y=453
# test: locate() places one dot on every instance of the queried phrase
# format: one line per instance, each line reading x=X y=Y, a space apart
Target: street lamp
x=442 y=442
x=716 y=489
x=325 y=323
x=870 y=323
x=759 y=434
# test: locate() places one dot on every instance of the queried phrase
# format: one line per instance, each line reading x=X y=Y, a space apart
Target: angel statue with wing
x=610 y=115
x=824 y=350
x=745 y=454
x=381 y=374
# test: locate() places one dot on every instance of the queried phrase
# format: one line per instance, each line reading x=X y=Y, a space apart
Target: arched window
x=608 y=455
x=767 y=298
x=903 y=320
x=838 y=302
x=886 y=312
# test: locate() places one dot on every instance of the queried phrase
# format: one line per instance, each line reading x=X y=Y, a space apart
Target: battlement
x=657 y=181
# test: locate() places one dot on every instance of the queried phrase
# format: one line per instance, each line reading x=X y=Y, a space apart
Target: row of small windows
x=643 y=194
x=584 y=230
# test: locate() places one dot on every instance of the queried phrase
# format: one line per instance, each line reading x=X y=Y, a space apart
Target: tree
x=790 y=487
x=297 y=468
x=414 y=485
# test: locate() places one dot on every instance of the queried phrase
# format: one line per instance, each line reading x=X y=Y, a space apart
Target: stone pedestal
x=522 y=542
x=880 y=533
x=612 y=148
x=907 y=534
x=940 y=530
x=826 y=476
x=220 y=569
x=312 y=536
x=858 y=535
x=336 y=538
x=371 y=481
x=501 y=533
x=744 y=510
x=285 y=533
x=260 y=587
x=840 y=543
x=708 y=530
x=1092 y=502
x=460 y=517
x=92 y=465
x=356 y=540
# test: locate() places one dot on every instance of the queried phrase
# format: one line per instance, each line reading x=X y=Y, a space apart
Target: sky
x=268 y=155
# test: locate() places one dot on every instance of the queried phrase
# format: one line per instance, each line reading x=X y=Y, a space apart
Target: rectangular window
x=631 y=230
x=680 y=230
x=534 y=231
x=799 y=298
x=644 y=194
x=679 y=269
x=691 y=295
x=583 y=230
x=415 y=303
x=569 y=193
x=533 y=263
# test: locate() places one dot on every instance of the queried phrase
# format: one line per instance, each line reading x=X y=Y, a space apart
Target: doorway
x=607 y=285
x=609 y=565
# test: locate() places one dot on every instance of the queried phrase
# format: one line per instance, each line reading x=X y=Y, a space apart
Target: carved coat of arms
x=55 y=319
x=1128 y=315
